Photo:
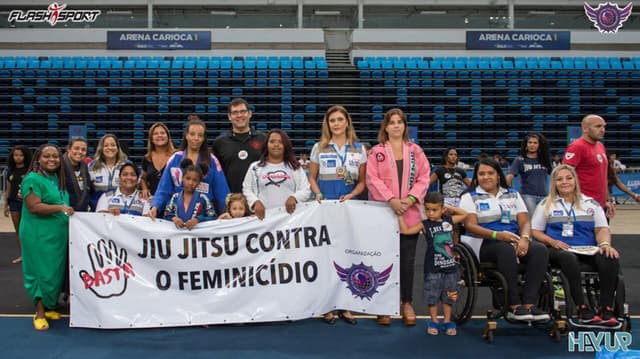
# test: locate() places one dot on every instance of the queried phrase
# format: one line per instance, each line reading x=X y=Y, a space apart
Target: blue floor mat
x=303 y=339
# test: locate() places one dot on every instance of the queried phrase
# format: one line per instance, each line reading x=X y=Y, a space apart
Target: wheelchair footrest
x=576 y=324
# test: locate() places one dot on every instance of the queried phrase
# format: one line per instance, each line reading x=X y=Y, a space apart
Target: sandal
x=349 y=319
x=17 y=260
x=40 y=324
x=52 y=314
x=433 y=327
x=450 y=328
x=330 y=318
x=408 y=314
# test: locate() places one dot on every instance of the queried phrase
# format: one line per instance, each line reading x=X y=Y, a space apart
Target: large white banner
x=132 y=272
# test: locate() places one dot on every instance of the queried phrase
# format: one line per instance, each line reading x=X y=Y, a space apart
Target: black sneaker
x=538 y=314
x=520 y=314
x=587 y=316
x=608 y=318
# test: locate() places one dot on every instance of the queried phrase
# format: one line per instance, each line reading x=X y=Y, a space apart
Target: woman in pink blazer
x=398 y=173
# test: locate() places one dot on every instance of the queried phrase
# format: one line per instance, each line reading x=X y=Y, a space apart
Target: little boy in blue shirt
x=440 y=267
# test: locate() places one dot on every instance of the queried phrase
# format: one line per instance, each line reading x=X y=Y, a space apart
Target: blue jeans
x=531 y=202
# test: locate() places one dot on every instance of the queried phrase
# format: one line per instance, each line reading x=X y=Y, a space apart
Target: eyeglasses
x=239 y=112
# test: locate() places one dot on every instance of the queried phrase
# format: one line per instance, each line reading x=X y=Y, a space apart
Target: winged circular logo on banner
x=363 y=280
x=608 y=17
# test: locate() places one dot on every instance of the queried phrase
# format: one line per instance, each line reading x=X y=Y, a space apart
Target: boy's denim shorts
x=441 y=287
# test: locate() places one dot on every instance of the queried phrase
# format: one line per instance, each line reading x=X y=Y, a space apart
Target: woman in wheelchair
x=498 y=215
x=567 y=221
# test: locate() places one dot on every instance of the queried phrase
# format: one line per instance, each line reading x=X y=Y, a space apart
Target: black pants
x=407 y=265
x=503 y=254
x=569 y=264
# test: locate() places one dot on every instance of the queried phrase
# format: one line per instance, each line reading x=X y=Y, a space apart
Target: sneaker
x=520 y=314
x=538 y=314
x=587 y=316
x=608 y=318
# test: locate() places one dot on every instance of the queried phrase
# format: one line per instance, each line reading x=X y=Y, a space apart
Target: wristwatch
x=527 y=237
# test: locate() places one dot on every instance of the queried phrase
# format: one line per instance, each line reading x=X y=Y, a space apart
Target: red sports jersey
x=590 y=161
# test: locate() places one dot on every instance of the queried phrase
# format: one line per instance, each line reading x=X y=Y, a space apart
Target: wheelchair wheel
x=497 y=283
x=546 y=297
x=592 y=289
x=620 y=300
x=467 y=286
x=569 y=305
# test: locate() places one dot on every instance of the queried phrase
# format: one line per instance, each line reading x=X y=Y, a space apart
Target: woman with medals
x=337 y=169
x=159 y=150
x=398 y=173
x=277 y=178
x=105 y=167
x=498 y=217
x=189 y=207
x=44 y=232
x=126 y=199
x=568 y=220
x=194 y=147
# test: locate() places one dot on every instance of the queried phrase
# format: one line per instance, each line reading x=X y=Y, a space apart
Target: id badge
x=567 y=229
x=505 y=217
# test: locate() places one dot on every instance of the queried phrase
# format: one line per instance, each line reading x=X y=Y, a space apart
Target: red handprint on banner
x=110 y=269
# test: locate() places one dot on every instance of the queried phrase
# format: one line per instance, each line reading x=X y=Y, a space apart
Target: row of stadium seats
x=275 y=63
x=74 y=74
x=490 y=113
x=298 y=62
x=497 y=63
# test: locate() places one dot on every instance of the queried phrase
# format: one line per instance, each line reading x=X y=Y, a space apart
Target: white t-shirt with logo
x=273 y=184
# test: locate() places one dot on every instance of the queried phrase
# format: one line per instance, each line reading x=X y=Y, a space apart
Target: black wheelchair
x=564 y=309
x=474 y=274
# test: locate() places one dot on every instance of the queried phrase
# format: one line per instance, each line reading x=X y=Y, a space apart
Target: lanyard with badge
x=126 y=207
x=567 y=228
x=341 y=171
x=505 y=215
x=110 y=178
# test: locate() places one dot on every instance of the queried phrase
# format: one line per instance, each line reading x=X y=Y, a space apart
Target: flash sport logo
x=363 y=280
x=54 y=14
x=608 y=17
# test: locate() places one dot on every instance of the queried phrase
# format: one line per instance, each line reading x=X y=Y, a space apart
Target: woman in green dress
x=44 y=231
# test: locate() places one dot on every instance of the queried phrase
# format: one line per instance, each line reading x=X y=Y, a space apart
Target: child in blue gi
x=190 y=207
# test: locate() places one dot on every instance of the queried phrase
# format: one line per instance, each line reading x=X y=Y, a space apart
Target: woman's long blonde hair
x=326 y=131
x=553 y=190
